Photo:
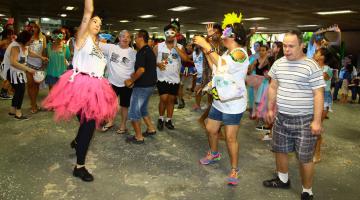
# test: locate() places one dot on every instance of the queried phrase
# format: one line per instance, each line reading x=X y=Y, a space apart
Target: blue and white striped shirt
x=297 y=80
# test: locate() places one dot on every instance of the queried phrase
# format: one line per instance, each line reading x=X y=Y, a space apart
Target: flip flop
x=106 y=128
x=119 y=131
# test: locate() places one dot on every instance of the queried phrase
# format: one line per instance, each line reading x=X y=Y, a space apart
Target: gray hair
x=122 y=33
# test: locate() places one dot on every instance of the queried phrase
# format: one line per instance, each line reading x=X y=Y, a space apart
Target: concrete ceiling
x=282 y=14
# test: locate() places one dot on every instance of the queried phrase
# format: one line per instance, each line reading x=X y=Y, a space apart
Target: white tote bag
x=224 y=86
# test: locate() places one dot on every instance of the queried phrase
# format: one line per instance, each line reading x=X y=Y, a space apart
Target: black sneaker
x=5 y=96
x=83 y=174
x=276 y=183
x=73 y=144
x=306 y=196
x=22 y=118
x=181 y=104
x=147 y=133
x=133 y=139
x=169 y=125
x=160 y=125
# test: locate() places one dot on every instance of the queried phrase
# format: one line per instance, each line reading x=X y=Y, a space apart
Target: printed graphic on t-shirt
x=114 y=58
x=22 y=60
x=20 y=75
x=96 y=52
x=125 y=60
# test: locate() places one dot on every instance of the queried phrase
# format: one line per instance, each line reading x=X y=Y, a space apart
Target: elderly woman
x=229 y=92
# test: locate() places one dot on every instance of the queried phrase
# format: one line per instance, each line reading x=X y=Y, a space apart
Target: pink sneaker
x=210 y=158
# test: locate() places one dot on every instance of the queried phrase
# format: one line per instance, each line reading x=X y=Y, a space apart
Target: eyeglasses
x=57 y=36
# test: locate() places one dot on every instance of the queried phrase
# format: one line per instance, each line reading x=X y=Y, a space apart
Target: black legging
x=83 y=138
x=19 y=89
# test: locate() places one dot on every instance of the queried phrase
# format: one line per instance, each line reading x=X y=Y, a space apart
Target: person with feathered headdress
x=229 y=91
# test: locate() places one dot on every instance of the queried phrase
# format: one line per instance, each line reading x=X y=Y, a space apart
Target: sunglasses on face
x=57 y=36
x=170 y=33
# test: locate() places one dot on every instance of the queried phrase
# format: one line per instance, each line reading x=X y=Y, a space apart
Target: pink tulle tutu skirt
x=91 y=98
x=254 y=80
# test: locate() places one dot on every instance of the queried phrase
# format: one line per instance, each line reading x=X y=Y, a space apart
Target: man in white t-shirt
x=120 y=66
x=169 y=56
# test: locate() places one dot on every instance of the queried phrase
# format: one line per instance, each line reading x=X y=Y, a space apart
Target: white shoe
x=266 y=138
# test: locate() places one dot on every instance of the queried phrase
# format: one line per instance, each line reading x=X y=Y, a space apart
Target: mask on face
x=59 y=36
x=170 y=33
x=227 y=33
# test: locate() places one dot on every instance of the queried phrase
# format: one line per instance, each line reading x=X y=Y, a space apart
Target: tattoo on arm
x=85 y=20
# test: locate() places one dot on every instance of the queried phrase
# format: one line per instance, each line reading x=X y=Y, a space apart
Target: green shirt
x=329 y=72
x=57 y=64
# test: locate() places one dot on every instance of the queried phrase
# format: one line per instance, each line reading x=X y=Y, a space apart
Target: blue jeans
x=139 y=103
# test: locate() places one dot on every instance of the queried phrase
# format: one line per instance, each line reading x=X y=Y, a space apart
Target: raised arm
x=83 y=28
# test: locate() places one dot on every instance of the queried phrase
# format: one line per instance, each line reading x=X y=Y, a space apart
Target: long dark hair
x=329 y=58
x=24 y=37
x=240 y=33
x=281 y=52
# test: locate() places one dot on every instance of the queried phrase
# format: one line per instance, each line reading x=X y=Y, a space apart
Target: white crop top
x=89 y=59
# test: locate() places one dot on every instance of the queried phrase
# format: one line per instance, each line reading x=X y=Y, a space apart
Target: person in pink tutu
x=83 y=91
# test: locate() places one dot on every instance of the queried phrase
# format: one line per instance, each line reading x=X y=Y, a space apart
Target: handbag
x=224 y=86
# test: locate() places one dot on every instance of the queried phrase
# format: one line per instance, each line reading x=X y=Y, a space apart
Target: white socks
x=168 y=119
x=161 y=118
x=284 y=177
x=307 y=190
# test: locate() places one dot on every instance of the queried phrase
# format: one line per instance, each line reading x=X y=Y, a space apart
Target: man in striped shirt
x=297 y=89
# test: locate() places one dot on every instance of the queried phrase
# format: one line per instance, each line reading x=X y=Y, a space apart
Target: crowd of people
x=287 y=88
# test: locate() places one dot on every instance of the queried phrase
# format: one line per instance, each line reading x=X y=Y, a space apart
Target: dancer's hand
x=161 y=66
x=210 y=29
x=270 y=117
x=316 y=128
x=129 y=83
x=202 y=42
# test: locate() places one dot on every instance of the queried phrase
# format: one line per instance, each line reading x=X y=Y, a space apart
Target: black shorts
x=167 y=88
x=124 y=93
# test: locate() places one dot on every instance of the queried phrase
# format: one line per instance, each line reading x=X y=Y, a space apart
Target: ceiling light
x=181 y=8
x=307 y=26
x=124 y=21
x=115 y=31
x=256 y=18
x=259 y=28
x=2 y=15
x=45 y=19
x=336 y=12
x=153 y=27
x=137 y=29
x=108 y=24
x=192 y=30
x=63 y=15
x=69 y=7
x=146 y=16
x=207 y=23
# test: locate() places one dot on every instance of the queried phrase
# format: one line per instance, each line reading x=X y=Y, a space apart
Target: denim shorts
x=293 y=134
x=227 y=119
x=327 y=99
x=139 y=103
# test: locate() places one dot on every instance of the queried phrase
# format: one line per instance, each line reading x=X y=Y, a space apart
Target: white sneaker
x=266 y=138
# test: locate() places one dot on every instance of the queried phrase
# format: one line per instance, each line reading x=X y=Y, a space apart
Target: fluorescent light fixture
x=207 y=23
x=63 y=15
x=124 y=21
x=259 y=28
x=2 y=15
x=137 y=29
x=181 y=8
x=69 y=7
x=116 y=31
x=192 y=30
x=154 y=27
x=256 y=19
x=307 y=25
x=108 y=24
x=336 y=12
x=146 y=16
x=45 y=19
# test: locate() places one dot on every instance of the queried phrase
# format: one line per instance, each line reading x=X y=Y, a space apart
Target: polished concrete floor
x=36 y=161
